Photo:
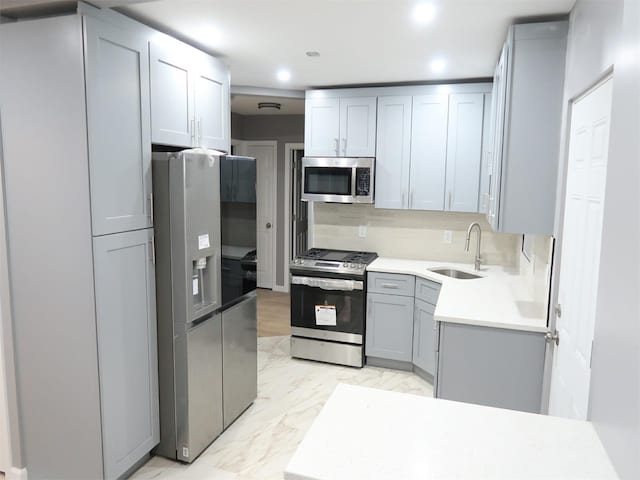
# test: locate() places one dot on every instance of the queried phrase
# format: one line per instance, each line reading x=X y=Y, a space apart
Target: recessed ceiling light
x=284 y=75
x=313 y=54
x=424 y=13
x=438 y=65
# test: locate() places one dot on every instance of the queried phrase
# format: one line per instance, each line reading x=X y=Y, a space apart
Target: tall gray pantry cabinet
x=76 y=158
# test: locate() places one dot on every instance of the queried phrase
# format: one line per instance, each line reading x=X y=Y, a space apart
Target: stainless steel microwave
x=339 y=180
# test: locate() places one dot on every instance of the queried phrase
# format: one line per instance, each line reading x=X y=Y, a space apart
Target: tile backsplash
x=410 y=234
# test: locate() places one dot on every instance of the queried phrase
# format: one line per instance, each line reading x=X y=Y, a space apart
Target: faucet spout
x=478 y=259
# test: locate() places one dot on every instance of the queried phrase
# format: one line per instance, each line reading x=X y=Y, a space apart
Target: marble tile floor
x=291 y=393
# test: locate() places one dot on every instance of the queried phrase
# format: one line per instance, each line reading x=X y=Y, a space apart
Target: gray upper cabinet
x=428 y=152
x=189 y=97
x=127 y=349
x=212 y=107
x=340 y=126
x=464 y=152
x=117 y=83
x=424 y=337
x=172 y=77
x=528 y=85
x=389 y=333
x=322 y=127
x=487 y=156
x=358 y=127
x=393 y=151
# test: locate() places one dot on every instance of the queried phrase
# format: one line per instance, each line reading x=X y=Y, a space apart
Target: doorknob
x=268 y=225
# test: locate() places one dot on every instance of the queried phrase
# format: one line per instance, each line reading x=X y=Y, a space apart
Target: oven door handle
x=328 y=283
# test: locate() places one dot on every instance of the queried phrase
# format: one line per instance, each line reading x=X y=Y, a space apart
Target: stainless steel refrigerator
x=207 y=347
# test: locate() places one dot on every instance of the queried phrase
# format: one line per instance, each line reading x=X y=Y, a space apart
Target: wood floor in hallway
x=273 y=313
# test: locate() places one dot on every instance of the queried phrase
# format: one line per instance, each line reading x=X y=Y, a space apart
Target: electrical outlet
x=448 y=236
x=362 y=231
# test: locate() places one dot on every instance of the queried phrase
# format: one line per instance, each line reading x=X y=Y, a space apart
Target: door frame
x=288 y=150
x=242 y=145
x=561 y=193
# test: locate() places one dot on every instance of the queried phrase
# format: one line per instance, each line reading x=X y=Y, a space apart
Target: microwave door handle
x=354 y=193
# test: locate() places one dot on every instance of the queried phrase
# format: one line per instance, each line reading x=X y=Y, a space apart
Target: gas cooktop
x=338 y=261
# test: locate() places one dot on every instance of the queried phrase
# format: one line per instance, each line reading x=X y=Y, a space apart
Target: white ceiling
x=248 y=105
x=359 y=41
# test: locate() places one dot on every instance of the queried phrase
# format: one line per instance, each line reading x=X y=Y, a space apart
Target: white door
x=582 y=233
x=265 y=155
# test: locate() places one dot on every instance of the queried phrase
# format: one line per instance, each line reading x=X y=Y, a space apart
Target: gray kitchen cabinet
x=490 y=366
x=212 y=108
x=526 y=121
x=393 y=151
x=391 y=283
x=464 y=152
x=487 y=156
x=118 y=118
x=171 y=79
x=189 y=96
x=87 y=76
x=127 y=349
x=424 y=337
x=428 y=152
x=389 y=329
x=340 y=126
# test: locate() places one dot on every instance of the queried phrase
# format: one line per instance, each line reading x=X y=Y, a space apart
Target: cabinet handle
x=411 y=200
x=192 y=130
x=153 y=249
x=151 y=207
x=449 y=193
x=200 y=132
x=344 y=146
x=337 y=147
x=392 y=286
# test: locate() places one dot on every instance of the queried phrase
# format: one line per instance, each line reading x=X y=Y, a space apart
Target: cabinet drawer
x=391 y=283
x=427 y=290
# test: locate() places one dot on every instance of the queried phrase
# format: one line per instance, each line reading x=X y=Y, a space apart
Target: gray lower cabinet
x=424 y=337
x=389 y=329
x=490 y=366
x=127 y=348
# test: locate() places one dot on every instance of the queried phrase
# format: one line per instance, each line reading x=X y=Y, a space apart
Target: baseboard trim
x=281 y=288
x=16 y=474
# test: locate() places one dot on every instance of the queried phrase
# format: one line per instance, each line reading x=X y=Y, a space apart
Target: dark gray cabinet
x=389 y=330
x=119 y=124
x=490 y=366
x=127 y=348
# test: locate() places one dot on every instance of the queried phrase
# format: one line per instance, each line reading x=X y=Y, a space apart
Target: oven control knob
x=345 y=264
x=352 y=265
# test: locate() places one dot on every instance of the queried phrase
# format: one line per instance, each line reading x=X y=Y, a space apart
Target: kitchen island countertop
x=365 y=433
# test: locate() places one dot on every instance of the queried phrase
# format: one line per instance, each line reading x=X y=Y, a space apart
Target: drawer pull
x=390 y=285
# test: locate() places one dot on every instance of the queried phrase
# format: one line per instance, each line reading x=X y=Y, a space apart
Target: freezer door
x=239 y=351
x=204 y=390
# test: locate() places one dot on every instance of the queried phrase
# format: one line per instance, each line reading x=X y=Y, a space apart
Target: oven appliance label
x=326 y=315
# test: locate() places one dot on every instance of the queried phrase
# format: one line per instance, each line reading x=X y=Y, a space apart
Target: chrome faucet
x=466 y=245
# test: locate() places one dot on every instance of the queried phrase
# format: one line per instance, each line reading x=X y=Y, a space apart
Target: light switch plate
x=448 y=236
x=362 y=231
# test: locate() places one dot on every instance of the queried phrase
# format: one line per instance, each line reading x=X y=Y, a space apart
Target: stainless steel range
x=328 y=295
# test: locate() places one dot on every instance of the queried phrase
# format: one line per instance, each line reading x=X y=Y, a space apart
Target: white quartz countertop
x=364 y=433
x=235 y=253
x=498 y=299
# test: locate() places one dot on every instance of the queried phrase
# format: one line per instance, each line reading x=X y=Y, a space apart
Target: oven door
x=327 y=308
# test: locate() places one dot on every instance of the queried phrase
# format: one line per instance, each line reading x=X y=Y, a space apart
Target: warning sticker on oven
x=326 y=315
